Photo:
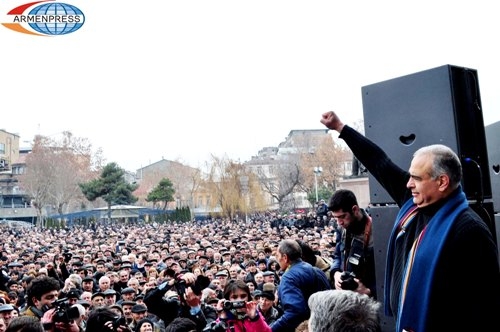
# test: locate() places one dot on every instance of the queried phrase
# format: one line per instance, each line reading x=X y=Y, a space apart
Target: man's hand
x=47 y=321
x=337 y=280
x=362 y=289
x=191 y=298
x=189 y=278
x=332 y=121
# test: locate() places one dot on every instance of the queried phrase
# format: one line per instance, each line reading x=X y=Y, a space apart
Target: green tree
x=111 y=186
x=163 y=192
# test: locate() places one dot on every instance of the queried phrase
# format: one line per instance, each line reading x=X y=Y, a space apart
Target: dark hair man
x=354 y=252
x=41 y=294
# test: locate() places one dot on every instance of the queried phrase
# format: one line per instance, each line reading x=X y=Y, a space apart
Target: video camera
x=215 y=326
x=67 y=255
x=63 y=312
x=119 y=321
x=230 y=305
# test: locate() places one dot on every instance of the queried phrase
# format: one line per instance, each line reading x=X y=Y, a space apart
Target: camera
x=348 y=282
x=67 y=255
x=214 y=326
x=201 y=283
x=180 y=287
x=63 y=313
x=119 y=321
x=174 y=299
x=229 y=305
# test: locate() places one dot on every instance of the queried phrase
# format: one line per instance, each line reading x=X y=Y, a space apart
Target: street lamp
x=317 y=171
x=244 y=189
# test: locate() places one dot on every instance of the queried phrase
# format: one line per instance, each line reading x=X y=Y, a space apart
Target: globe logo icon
x=59 y=26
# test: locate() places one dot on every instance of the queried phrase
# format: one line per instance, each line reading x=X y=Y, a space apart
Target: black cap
x=128 y=290
x=86 y=304
x=110 y=291
x=15 y=264
x=97 y=294
x=132 y=303
x=267 y=295
x=88 y=278
x=73 y=293
x=139 y=308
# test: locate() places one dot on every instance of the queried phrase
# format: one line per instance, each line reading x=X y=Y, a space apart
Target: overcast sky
x=180 y=80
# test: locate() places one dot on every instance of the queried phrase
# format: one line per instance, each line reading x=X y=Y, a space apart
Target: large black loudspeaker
x=493 y=141
x=383 y=218
x=436 y=106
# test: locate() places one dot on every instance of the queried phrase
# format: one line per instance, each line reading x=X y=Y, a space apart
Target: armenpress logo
x=45 y=18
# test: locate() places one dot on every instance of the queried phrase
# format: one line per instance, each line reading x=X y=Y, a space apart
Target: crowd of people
x=154 y=274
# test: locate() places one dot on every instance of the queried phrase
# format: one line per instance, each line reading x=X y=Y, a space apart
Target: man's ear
x=443 y=182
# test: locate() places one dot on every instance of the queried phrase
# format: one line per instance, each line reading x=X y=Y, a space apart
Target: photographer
x=41 y=294
x=353 y=265
x=186 y=304
x=237 y=312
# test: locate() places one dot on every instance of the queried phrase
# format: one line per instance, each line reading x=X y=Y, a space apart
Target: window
x=2 y=148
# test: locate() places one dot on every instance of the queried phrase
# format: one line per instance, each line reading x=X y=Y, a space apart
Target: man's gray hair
x=343 y=311
x=291 y=248
x=445 y=161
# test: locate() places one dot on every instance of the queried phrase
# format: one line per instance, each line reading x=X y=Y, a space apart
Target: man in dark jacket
x=438 y=242
x=181 y=301
x=299 y=281
x=354 y=252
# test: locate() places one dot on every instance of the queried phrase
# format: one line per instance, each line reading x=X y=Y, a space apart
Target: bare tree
x=224 y=183
x=282 y=182
x=53 y=170
x=38 y=178
x=331 y=157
